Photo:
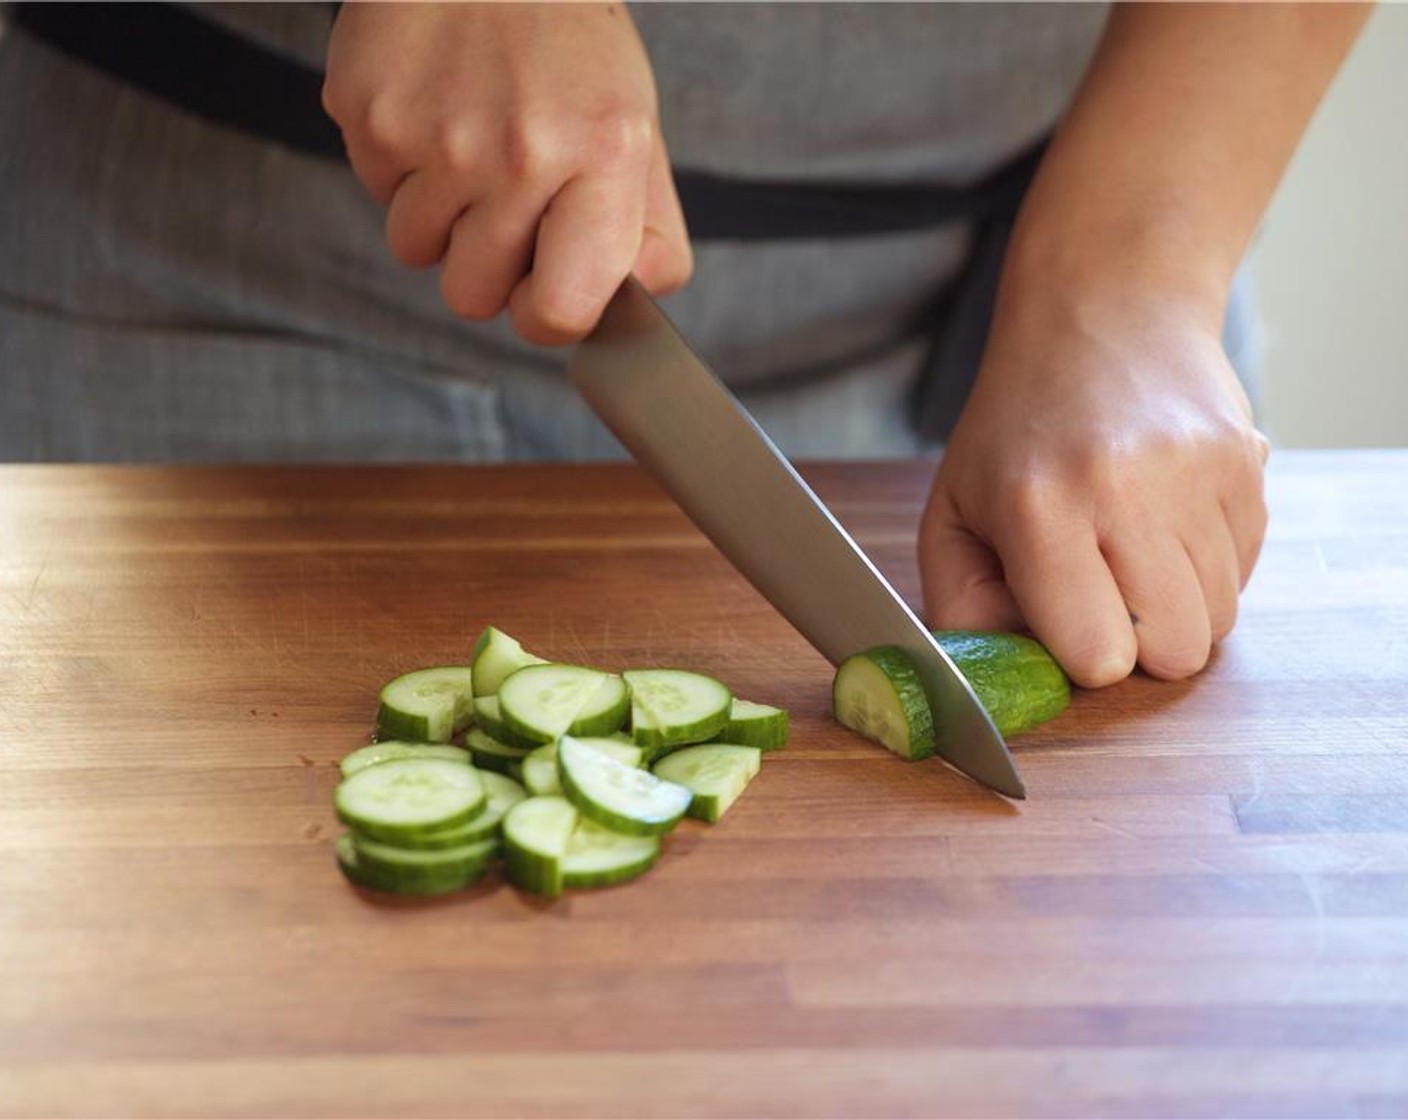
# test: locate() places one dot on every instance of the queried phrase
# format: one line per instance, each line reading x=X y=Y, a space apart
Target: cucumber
x=598 y=857
x=491 y=754
x=755 y=725
x=426 y=705
x=495 y=656
x=363 y=757
x=878 y=694
x=536 y=832
x=673 y=707
x=716 y=773
x=490 y=719
x=622 y=798
x=1018 y=681
x=404 y=798
x=540 y=767
x=414 y=871
x=545 y=702
x=501 y=794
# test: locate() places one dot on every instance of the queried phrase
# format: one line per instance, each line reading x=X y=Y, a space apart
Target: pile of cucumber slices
x=569 y=774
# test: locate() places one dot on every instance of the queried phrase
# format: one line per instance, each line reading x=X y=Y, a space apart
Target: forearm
x=1171 y=151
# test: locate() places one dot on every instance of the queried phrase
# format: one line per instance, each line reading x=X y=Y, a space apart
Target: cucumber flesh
x=536 y=833
x=755 y=725
x=363 y=757
x=877 y=693
x=406 y=797
x=490 y=718
x=540 y=767
x=673 y=707
x=620 y=797
x=716 y=773
x=495 y=656
x=426 y=705
x=545 y=702
x=598 y=857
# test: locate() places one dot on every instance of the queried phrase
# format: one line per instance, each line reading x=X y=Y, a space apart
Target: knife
x=642 y=379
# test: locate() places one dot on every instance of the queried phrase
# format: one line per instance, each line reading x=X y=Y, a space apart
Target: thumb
x=962 y=578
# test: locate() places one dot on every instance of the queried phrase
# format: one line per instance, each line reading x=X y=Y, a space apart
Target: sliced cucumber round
x=545 y=702
x=716 y=773
x=598 y=857
x=540 y=767
x=490 y=719
x=878 y=694
x=495 y=656
x=491 y=754
x=503 y=793
x=363 y=757
x=406 y=797
x=421 y=871
x=536 y=833
x=755 y=725
x=426 y=705
x=618 y=796
x=673 y=707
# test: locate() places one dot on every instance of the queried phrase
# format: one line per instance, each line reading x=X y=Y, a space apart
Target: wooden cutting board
x=1202 y=909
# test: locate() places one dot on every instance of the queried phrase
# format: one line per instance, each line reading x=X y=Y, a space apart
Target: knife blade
x=681 y=423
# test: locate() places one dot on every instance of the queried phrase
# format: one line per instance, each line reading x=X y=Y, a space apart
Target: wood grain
x=1201 y=910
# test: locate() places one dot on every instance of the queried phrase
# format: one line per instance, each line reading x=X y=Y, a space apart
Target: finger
x=490 y=251
x=1164 y=597
x=587 y=241
x=422 y=213
x=1246 y=516
x=376 y=167
x=665 y=261
x=1214 y=557
x=963 y=583
x=1065 y=590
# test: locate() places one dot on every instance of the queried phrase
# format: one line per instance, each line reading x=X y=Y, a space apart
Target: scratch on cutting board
x=28 y=605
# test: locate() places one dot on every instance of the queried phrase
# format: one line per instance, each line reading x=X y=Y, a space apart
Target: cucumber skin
x=421 y=886
x=658 y=743
x=897 y=668
x=764 y=735
x=1019 y=683
x=529 y=870
x=400 y=749
x=391 y=724
x=496 y=727
x=586 y=880
x=509 y=762
x=627 y=826
x=709 y=807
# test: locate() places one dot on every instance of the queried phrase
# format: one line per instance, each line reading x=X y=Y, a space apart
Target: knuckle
x=529 y=151
x=383 y=124
x=620 y=137
x=456 y=147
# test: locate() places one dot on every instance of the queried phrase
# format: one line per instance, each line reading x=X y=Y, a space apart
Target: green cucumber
x=545 y=702
x=489 y=717
x=495 y=656
x=1018 y=681
x=674 y=707
x=363 y=757
x=536 y=833
x=403 y=798
x=416 y=871
x=540 y=767
x=598 y=857
x=501 y=794
x=492 y=754
x=755 y=725
x=426 y=705
x=615 y=795
x=716 y=773
x=878 y=694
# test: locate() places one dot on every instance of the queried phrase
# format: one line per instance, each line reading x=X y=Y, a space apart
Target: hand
x=516 y=145
x=1103 y=487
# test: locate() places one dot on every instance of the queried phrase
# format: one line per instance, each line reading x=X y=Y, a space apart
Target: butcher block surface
x=1201 y=909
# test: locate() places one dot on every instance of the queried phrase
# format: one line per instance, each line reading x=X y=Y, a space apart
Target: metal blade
x=686 y=428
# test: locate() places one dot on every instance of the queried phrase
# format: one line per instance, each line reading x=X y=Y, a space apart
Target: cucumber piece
x=673 y=707
x=622 y=798
x=426 y=705
x=490 y=719
x=878 y=694
x=1018 y=681
x=407 y=797
x=545 y=702
x=540 y=767
x=421 y=881
x=598 y=857
x=495 y=656
x=755 y=725
x=491 y=754
x=501 y=794
x=363 y=757
x=419 y=871
x=536 y=833
x=716 y=773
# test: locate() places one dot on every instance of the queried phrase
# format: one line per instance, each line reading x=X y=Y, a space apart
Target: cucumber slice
x=1018 y=681
x=622 y=798
x=426 y=705
x=495 y=656
x=672 y=707
x=363 y=757
x=491 y=754
x=599 y=857
x=540 y=767
x=501 y=794
x=416 y=871
x=489 y=717
x=536 y=832
x=877 y=693
x=545 y=702
x=755 y=725
x=407 y=797
x=716 y=773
